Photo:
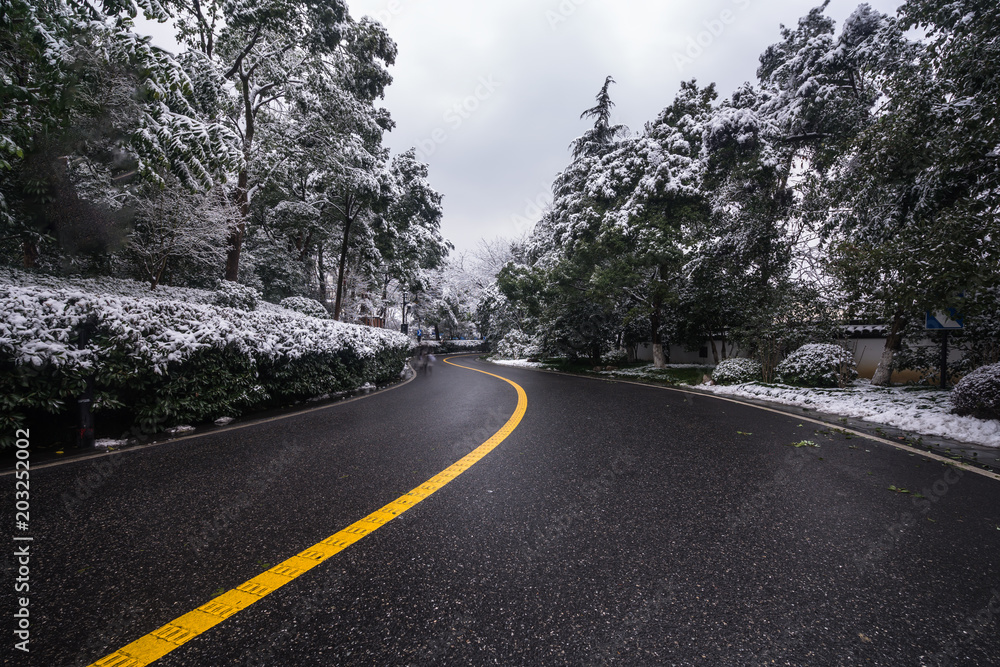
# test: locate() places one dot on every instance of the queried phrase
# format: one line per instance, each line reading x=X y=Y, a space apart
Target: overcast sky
x=490 y=91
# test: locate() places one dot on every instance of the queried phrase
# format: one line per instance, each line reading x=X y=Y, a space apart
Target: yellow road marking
x=158 y=643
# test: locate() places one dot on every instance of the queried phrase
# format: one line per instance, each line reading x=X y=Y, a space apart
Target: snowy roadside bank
x=518 y=363
x=919 y=410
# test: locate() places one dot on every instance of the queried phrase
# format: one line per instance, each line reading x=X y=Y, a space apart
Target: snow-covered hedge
x=450 y=346
x=818 y=365
x=978 y=393
x=162 y=362
x=306 y=306
x=737 y=370
x=235 y=295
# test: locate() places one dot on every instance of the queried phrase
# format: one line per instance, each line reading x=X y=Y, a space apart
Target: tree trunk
x=238 y=229
x=29 y=252
x=883 y=374
x=321 y=270
x=715 y=350
x=659 y=360
x=343 y=266
x=159 y=275
x=242 y=186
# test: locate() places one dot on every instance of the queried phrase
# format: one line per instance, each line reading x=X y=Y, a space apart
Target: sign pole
x=944 y=359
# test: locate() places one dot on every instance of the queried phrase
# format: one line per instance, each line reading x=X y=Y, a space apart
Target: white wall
x=867 y=353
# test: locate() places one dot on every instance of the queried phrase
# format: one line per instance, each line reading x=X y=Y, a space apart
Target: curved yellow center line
x=158 y=643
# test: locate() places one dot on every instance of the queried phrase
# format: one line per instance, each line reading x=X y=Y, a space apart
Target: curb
x=88 y=455
x=822 y=419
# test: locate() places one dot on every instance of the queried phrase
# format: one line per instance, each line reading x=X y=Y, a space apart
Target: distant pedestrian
x=430 y=362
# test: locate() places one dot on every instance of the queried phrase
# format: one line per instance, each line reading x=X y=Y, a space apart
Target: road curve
x=616 y=524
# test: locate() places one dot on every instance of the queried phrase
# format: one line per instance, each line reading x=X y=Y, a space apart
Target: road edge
x=776 y=410
x=220 y=429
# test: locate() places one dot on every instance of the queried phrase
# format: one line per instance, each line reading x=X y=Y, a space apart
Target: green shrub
x=978 y=393
x=156 y=363
x=514 y=345
x=818 y=365
x=737 y=371
x=234 y=295
x=306 y=306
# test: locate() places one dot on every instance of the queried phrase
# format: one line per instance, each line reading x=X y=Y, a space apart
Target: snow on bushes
x=458 y=346
x=737 y=371
x=306 y=306
x=818 y=365
x=978 y=393
x=160 y=362
x=514 y=345
x=234 y=295
x=115 y=287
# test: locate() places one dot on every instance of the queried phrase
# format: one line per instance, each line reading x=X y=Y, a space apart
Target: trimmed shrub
x=978 y=393
x=156 y=363
x=616 y=357
x=737 y=371
x=235 y=295
x=818 y=365
x=306 y=306
x=458 y=346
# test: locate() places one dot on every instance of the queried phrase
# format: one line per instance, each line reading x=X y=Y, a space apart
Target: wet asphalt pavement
x=617 y=524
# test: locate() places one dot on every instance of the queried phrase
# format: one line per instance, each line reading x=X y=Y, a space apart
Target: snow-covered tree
x=87 y=105
x=917 y=187
x=273 y=51
x=408 y=232
x=174 y=224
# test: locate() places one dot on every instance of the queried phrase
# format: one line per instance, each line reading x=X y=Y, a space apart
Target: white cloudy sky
x=522 y=71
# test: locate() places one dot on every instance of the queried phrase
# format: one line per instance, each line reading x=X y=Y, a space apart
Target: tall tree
x=269 y=50
x=86 y=106
x=917 y=188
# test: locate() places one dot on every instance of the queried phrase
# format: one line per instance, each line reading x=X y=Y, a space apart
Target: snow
x=40 y=318
x=651 y=371
x=465 y=343
x=518 y=363
x=105 y=443
x=917 y=410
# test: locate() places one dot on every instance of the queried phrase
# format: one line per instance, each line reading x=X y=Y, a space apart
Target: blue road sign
x=948 y=319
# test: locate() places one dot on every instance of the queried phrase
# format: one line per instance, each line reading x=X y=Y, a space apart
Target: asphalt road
x=616 y=524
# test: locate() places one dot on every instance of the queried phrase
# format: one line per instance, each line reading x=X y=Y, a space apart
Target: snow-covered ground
x=919 y=410
x=915 y=409
x=652 y=373
x=518 y=363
